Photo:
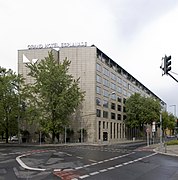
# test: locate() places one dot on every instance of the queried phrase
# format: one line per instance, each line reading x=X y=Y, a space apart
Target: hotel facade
x=107 y=85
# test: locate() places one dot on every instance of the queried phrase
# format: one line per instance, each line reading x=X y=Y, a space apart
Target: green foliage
x=168 y=120
x=9 y=101
x=141 y=110
x=56 y=93
x=172 y=142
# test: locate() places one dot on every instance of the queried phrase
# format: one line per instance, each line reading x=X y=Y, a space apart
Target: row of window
x=105 y=114
x=108 y=95
x=114 y=77
x=113 y=105
x=112 y=86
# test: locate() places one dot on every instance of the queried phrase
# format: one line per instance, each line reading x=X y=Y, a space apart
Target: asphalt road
x=115 y=162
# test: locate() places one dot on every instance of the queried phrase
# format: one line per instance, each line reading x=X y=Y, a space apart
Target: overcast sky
x=134 y=33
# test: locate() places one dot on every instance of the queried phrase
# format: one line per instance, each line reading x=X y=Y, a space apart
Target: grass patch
x=172 y=142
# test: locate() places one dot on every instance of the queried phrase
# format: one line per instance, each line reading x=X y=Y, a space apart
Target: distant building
x=107 y=86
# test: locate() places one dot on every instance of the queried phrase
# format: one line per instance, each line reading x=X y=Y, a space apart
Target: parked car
x=14 y=138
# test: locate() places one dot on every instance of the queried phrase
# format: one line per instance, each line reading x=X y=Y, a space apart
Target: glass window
x=124 y=83
x=113 y=106
x=105 y=72
x=113 y=86
x=98 y=67
x=124 y=109
x=98 y=101
x=103 y=124
x=119 y=117
x=99 y=130
x=113 y=96
x=98 y=113
x=111 y=130
x=119 y=89
x=98 y=78
x=105 y=104
x=113 y=76
x=105 y=114
x=124 y=117
x=106 y=82
x=105 y=93
x=119 y=99
x=98 y=90
x=124 y=92
x=119 y=107
x=129 y=94
x=113 y=116
x=119 y=80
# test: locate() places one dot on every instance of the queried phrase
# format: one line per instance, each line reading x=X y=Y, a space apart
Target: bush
x=172 y=142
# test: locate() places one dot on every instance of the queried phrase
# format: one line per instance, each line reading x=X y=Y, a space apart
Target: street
x=113 y=162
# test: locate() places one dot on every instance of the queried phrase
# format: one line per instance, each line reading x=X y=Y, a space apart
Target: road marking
x=117 y=166
x=94 y=173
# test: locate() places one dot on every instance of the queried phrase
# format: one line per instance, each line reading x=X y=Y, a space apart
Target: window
x=111 y=130
x=99 y=130
x=113 y=76
x=103 y=124
x=98 y=101
x=98 y=67
x=105 y=104
x=124 y=92
x=119 y=80
x=98 y=90
x=105 y=114
x=113 y=86
x=124 y=117
x=124 y=83
x=124 y=109
x=98 y=113
x=119 y=107
x=124 y=100
x=119 y=89
x=113 y=106
x=119 y=117
x=113 y=96
x=113 y=116
x=119 y=99
x=98 y=78
x=129 y=94
x=114 y=130
x=105 y=93
x=106 y=82
x=105 y=72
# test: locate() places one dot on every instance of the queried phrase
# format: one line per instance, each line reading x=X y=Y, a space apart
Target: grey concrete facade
x=106 y=86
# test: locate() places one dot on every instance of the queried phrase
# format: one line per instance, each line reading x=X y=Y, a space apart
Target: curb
x=164 y=153
x=22 y=164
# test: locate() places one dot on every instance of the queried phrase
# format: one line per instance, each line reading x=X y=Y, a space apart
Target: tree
x=56 y=92
x=168 y=121
x=9 y=102
x=141 y=110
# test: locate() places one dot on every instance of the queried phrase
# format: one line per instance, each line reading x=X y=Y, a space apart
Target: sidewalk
x=171 y=150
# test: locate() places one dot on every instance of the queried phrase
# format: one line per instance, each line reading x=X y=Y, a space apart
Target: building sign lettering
x=56 y=45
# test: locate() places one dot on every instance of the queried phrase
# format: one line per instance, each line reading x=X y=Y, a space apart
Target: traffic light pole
x=173 y=77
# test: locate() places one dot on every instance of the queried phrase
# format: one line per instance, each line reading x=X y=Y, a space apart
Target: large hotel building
x=106 y=84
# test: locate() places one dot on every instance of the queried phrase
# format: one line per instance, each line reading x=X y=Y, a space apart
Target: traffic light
x=167 y=64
